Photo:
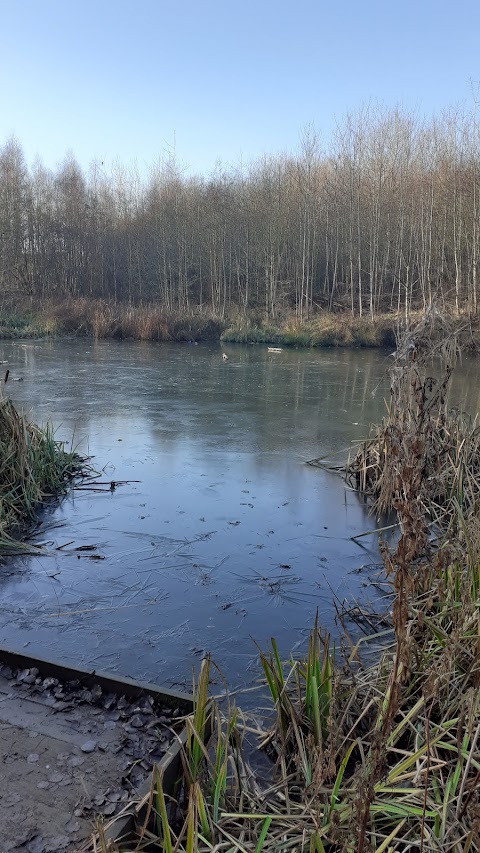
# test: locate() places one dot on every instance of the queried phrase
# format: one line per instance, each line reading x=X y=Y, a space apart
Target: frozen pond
x=227 y=536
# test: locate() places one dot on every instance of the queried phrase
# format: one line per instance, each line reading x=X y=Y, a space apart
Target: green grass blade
x=338 y=781
x=163 y=826
x=263 y=834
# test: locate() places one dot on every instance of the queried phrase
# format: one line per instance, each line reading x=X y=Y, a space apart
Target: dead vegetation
x=34 y=468
x=99 y=318
x=423 y=460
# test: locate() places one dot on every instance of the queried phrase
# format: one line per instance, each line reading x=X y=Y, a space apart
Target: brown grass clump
x=103 y=319
x=423 y=455
x=325 y=329
x=34 y=468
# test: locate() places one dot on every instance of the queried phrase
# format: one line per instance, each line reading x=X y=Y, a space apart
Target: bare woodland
x=387 y=219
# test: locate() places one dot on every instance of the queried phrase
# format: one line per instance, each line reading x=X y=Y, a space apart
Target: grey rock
x=57 y=844
x=59 y=705
x=22 y=674
x=114 y=797
x=56 y=778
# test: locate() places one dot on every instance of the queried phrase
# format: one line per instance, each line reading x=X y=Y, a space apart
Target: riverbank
x=323 y=330
x=103 y=320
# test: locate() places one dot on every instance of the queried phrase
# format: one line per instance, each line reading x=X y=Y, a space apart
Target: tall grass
x=105 y=319
x=25 y=324
x=34 y=468
x=381 y=758
x=323 y=330
x=423 y=460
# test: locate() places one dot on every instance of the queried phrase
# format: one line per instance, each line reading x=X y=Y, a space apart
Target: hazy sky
x=221 y=80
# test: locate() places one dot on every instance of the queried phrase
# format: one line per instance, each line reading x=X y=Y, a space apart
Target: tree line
x=387 y=218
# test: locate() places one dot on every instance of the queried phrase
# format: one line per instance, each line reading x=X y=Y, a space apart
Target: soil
x=69 y=753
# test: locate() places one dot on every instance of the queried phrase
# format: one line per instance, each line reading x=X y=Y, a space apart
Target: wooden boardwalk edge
x=120 y=685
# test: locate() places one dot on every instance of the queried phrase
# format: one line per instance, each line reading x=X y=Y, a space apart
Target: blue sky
x=220 y=80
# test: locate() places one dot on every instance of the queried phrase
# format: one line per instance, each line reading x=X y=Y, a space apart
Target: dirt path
x=68 y=753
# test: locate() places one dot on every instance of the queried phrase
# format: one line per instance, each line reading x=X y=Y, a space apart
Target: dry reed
x=147 y=322
x=423 y=455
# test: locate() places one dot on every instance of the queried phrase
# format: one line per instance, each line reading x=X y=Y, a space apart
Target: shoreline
x=103 y=320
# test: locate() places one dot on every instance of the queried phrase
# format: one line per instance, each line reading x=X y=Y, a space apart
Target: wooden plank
x=172 y=774
x=170 y=767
